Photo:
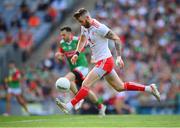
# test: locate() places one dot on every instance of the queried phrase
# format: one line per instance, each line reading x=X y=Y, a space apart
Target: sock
x=131 y=86
x=100 y=106
x=83 y=92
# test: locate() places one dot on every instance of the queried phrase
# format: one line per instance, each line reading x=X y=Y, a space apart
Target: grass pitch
x=92 y=121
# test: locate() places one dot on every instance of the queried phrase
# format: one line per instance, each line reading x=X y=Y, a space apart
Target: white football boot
x=62 y=106
x=155 y=91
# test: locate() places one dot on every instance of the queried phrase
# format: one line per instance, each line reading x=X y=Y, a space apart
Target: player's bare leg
x=90 y=79
x=73 y=88
x=22 y=102
x=8 y=104
x=91 y=95
x=70 y=76
x=114 y=80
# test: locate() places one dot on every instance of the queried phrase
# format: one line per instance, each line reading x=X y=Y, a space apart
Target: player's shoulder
x=96 y=23
x=61 y=41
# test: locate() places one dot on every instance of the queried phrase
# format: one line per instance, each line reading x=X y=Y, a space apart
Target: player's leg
x=22 y=102
x=73 y=88
x=8 y=103
x=101 y=107
x=114 y=80
x=71 y=77
x=80 y=73
x=91 y=78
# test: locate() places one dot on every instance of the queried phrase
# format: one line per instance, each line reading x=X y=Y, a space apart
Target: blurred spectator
x=25 y=43
x=150 y=32
x=34 y=21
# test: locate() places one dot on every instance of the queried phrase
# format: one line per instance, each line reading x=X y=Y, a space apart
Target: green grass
x=87 y=121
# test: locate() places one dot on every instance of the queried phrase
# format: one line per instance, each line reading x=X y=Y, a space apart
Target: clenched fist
x=119 y=62
x=74 y=59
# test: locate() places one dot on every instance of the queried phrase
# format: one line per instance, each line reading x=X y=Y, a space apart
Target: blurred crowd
x=150 y=33
x=25 y=23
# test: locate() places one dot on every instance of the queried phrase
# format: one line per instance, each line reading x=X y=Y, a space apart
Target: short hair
x=80 y=12
x=66 y=28
x=11 y=62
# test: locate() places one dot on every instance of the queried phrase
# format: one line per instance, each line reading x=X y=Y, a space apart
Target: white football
x=63 y=84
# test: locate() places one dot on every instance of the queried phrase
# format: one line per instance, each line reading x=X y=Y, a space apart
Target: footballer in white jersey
x=98 y=34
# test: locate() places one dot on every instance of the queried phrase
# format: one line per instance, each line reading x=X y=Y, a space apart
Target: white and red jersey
x=96 y=40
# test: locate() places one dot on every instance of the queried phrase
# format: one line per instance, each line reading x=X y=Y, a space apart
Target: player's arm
x=80 y=47
x=81 y=43
x=111 y=35
x=59 y=55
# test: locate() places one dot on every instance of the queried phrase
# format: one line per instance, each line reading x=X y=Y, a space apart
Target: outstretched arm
x=81 y=43
x=111 y=35
x=80 y=46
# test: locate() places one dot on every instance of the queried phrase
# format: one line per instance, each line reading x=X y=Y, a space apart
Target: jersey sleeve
x=60 y=47
x=102 y=30
x=61 y=50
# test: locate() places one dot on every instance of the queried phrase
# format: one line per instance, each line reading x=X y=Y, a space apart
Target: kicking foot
x=102 y=111
x=155 y=91
x=62 y=106
x=79 y=104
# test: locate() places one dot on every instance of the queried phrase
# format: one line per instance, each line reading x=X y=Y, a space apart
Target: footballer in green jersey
x=14 y=88
x=67 y=48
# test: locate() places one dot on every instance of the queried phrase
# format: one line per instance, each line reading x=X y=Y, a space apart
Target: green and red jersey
x=69 y=49
x=13 y=79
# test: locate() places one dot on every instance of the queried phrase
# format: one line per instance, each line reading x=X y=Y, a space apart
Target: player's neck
x=70 y=38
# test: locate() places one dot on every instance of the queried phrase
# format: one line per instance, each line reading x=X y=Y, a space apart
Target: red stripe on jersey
x=106 y=64
x=16 y=76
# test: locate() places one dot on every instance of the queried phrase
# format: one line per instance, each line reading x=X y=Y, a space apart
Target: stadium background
x=149 y=30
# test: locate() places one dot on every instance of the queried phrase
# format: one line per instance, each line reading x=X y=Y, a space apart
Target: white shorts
x=104 y=67
x=15 y=91
x=83 y=71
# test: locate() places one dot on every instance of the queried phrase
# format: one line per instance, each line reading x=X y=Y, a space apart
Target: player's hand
x=74 y=59
x=58 y=56
x=119 y=62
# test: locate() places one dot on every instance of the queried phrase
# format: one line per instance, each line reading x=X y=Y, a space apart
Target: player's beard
x=87 y=24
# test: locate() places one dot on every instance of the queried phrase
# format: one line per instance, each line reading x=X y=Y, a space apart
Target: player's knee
x=85 y=84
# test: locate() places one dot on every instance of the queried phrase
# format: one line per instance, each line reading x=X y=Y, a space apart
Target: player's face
x=65 y=35
x=84 y=22
x=11 y=65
